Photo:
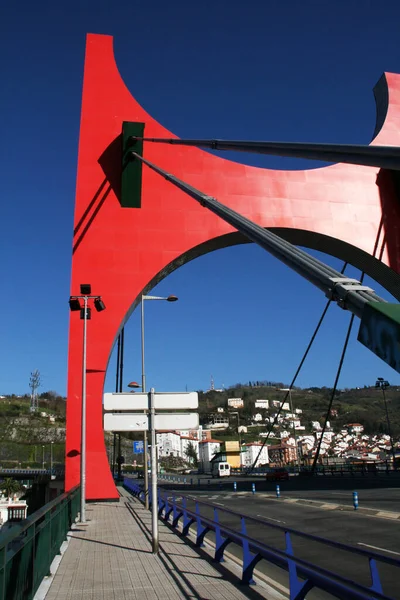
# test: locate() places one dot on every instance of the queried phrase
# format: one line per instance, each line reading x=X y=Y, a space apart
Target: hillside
x=364 y=405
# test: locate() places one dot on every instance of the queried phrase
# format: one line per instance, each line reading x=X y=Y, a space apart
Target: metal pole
x=240 y=443
x=145 y=454
x=51 y=459
x=154 y=503
x=83 y=419
x=388 y=424
x=42 y=457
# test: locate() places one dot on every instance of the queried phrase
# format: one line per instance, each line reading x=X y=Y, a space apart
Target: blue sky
x=286 y=70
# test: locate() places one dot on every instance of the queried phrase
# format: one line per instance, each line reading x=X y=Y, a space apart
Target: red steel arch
x=111 y=244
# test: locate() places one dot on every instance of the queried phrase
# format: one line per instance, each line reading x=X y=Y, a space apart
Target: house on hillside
x=355 y=428
x=235 y=402
x=261 y=404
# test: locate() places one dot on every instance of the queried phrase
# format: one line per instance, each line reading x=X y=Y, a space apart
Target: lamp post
x=42 y=457
x=383 y=384
x=85 y=314
x=240 y=438
x=145 y=453
x=51 y=459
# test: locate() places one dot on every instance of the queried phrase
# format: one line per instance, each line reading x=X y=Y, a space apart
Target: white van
x=221 y=469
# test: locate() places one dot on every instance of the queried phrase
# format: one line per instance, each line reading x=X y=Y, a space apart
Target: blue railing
x=312 y=576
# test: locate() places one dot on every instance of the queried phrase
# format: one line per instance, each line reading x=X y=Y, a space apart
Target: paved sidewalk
x=111 y=559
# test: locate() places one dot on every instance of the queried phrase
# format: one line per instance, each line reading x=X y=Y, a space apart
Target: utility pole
x=34 y=383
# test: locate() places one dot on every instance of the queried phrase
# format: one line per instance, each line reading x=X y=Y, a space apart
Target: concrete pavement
x=111 y=559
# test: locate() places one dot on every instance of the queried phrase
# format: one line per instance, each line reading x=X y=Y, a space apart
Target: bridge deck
x=111 y=559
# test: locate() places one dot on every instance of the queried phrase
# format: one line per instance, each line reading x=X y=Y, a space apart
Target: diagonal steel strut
x=349 y=294
x=384 y=157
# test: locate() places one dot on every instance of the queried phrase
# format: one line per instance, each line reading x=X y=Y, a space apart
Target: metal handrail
x=254 y=551
x=315 y=538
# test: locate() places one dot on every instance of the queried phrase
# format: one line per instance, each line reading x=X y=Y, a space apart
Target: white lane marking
x=271 y=519
x=376 y=548
x=329 y=506
x=219 y=503
x=387 y=515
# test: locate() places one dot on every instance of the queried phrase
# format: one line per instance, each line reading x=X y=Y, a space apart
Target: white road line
x=376 y=548
x=271 y=519
x=219 y=503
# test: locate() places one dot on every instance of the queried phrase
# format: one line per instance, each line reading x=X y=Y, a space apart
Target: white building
x=356 y=428
x=220 y=409
x=207 y=449
x=257 y=417
x=316 y=425
x=235 y=402
x=218 y=421
x=12 y=510
x=169 y=443
x=298 y=411
x=252 y=452
x=261 y=404
x=242 y=429
x=187 y=441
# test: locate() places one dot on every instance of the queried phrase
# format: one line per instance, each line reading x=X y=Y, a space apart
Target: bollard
x=355 y=500
x=278 y=491
x=235 y=486
x=220 y=485
x=253 y=488
x=198 y=482
x=208 y=482
x=191 y=481
x=184 y=481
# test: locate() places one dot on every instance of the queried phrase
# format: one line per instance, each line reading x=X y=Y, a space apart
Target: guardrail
x=312 y=576
x=28 y=548
x=55 y=471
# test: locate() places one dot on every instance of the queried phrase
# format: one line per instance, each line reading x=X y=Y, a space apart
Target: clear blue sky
x=284 y=70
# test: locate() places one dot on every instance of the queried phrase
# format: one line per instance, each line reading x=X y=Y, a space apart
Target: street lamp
x=42 y=457
x=240 y=437
x=145 y=453
x=51 y=460
x=383 y=384
x=85 y=314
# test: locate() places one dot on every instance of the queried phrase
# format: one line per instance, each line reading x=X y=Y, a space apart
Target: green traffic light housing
x=131 y=176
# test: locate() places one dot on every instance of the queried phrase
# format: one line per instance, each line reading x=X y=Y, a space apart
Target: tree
x=191 y=454
x=10 y=487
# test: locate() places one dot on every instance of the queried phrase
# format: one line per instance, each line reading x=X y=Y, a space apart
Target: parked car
x=277 y=475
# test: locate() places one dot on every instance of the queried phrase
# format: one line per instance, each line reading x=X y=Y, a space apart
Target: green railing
x=28 y=548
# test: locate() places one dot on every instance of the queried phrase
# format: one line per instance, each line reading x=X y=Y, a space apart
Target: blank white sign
x=138 y=422
x=162 y=401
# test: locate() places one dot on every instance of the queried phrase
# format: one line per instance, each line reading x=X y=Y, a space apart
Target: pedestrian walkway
x=111 y=559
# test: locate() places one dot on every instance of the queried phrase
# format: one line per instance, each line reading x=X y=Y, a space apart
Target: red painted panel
x=109 y=241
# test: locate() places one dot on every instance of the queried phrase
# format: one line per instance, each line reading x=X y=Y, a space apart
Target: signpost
x=129 y=420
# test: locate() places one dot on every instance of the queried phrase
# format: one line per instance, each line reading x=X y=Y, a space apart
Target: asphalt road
x=352 y=528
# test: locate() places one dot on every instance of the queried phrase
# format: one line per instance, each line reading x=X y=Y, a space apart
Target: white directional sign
x=140 y=422
x=162 y=401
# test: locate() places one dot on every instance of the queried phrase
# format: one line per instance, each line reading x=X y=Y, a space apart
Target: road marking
x=387 y=515
x=271 y=519
x=219 y=503
x=329 y=506
x=376 y=548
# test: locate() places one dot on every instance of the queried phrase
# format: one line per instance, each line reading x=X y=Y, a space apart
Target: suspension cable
x=338 y=372
x=310 y=343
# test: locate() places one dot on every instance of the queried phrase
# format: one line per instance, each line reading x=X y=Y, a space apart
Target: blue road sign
x=138 y=447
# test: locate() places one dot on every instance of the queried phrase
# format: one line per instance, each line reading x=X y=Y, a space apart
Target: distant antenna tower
x=212 y=383
x=34 y=383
